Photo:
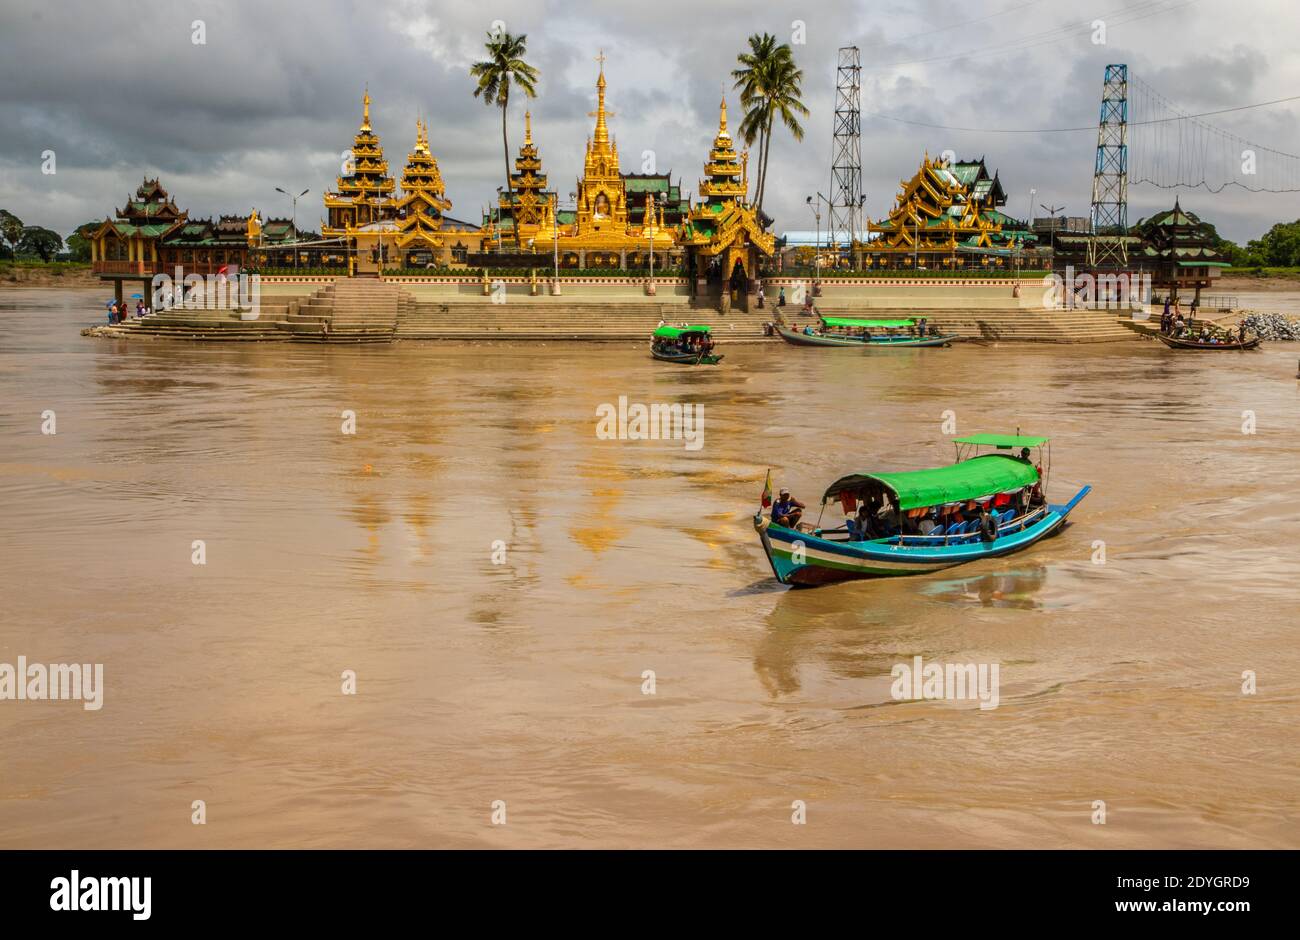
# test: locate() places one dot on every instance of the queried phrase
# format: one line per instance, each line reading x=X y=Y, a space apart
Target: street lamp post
x=817 y=256
x=293 y=201
x=1053 y=210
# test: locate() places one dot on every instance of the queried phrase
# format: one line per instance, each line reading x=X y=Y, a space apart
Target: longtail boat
x=1173 y=342
x=690 y=345
x=889 y=540
x=836 y=331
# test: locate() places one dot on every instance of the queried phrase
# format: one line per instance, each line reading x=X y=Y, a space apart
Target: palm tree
x=769 y=88
x=504 y=65
x=749 y=82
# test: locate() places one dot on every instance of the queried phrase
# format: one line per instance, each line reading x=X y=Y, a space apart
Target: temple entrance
x=737 y=287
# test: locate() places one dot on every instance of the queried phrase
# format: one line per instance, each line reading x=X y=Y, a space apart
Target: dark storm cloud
x=118 y=90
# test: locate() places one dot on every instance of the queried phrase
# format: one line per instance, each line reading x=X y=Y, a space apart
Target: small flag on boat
x=767 y=490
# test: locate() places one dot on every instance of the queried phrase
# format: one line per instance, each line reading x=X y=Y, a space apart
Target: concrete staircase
x=524 y=320
x=351 y=310
x=217 y=325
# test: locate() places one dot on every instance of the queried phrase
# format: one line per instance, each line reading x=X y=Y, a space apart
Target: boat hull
x=801 y=558
x=1174 y=343
x=688 y=359
x=795 y=338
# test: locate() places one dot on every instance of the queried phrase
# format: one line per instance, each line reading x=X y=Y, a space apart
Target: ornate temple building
x=1175 y=247
x=619 y=220
x=722 y=235
x=947 y=216
x=363 y=196
x=520 y=211
x=374 y=230
x=151 y=235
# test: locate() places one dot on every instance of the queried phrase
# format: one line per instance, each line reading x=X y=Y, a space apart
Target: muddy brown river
x=505 y=586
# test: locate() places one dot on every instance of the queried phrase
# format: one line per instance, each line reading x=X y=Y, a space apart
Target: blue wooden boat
x=874 y=334
x=807 y=555
x=688 y=345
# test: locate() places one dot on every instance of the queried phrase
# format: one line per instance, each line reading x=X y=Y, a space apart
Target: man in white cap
x=787 y=510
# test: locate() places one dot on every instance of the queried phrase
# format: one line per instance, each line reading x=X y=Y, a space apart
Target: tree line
x=18 y=240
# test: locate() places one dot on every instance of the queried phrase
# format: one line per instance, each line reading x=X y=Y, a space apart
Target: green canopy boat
x=871 y=333
x=690 y=345
x=918 y=521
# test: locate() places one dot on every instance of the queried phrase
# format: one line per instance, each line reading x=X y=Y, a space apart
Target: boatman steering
x=787 y=510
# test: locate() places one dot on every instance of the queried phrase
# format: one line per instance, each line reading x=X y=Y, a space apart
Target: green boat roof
x=673 y=332
x=1001 y=440
x=970 y=479
x=848 y=321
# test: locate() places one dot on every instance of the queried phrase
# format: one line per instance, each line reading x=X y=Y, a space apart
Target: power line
x=1089 y=127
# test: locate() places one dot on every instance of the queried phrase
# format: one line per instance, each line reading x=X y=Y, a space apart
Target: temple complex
x=947 y=216
x=722 y=234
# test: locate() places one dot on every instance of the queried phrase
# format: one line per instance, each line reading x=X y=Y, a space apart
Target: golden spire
x=365 y=112
x=528 y=128
x=601 y=136
x=722 y=118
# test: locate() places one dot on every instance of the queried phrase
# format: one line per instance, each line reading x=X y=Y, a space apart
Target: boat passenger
x=860 y=526
x=787 y=510
x=1241 y=332
x=988 y=524
x=928 y=523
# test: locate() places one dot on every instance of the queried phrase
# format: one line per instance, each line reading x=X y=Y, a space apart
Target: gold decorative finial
x=365 y=110
x=722 y=117
x=601 y=136
x=528 y=128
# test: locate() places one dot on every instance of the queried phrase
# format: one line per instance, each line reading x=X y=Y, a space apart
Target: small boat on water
x=689 y=345
x=918 y=521
x=1174 y=342
x=850 y=331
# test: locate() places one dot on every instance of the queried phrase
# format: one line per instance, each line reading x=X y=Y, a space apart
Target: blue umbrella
x=110 y=302
x=137 y=296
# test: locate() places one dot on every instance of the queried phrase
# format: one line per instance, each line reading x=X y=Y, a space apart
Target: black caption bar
x=140 y=889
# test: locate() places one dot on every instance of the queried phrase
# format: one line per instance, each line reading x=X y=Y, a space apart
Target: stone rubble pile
x=1272 y=326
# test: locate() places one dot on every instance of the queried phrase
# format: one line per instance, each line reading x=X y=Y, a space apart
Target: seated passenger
x=988 y=525
x=787 y=510
x=862 y=528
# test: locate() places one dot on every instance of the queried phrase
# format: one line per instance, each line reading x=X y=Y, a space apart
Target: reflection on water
x=501 y=581
x=1020 y=589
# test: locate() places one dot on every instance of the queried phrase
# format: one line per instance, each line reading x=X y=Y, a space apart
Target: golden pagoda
x=601 y=235
x=722 y=234
x=423 y=201
x=362 y=197
x=525 y=204
x=945 y=215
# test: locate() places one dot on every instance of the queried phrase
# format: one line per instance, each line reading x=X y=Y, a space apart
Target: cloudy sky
x=118 y=90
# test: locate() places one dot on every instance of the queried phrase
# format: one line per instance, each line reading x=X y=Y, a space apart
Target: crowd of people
x=1173 y=324
x=120 y=313
x=876 y=517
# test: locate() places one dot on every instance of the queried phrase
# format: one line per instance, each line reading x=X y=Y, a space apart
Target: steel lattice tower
x=1110 y=176
x=846 y=159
